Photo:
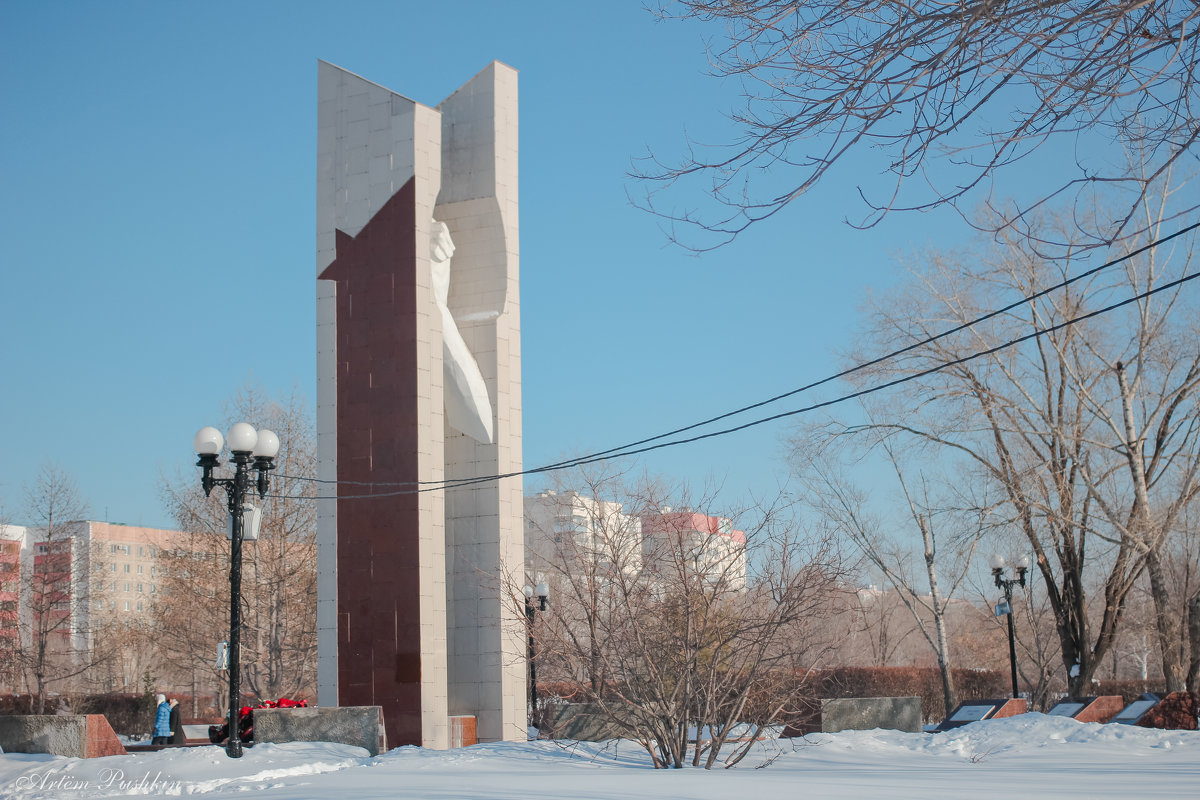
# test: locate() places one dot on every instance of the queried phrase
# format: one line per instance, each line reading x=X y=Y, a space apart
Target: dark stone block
x=868 y=713
x=361 y=726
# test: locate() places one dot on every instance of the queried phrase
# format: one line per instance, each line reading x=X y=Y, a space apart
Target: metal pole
x=233 y=747
x=533 y=698
x=1012 y=641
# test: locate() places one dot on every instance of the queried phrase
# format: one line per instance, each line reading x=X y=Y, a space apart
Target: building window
x=139 y=569
x=153 y=552
x=126 y=605
x=127 y=569
x=127 y=589
x=139 y=605
x=152 y=589
x=141 y=550
x=114 y=566
x=139 y=588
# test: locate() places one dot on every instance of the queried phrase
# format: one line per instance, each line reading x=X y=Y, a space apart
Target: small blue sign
x=1003 y=608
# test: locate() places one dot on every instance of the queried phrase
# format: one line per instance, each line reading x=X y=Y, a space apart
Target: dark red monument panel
x=378 y=589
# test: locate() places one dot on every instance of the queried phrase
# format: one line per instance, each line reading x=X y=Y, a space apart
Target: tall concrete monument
x=419 y=383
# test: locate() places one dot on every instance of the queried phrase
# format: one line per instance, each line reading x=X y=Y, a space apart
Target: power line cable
x=763 y=420
x=618 y=451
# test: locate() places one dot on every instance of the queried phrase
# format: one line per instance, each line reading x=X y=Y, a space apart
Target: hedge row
x=128 y=714
x=22 y=704
x=1129 y=690
x=922 y=682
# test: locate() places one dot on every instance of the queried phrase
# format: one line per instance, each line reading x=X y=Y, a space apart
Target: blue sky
x=157 y=232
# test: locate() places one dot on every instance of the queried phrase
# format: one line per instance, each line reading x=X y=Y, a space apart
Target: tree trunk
x=1166 y=625
x=1193 y=629
x=939 y=616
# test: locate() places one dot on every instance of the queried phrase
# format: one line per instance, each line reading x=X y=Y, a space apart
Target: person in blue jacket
x=162 y=721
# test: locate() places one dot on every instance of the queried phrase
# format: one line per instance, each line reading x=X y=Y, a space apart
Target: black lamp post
x=543 y=594
x=248 y=449
x=1022 y=566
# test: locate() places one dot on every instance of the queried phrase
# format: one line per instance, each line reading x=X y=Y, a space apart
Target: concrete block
x=73 y=735
x=580 y=721
x=868 y=713
x=361 y=726
x=856 y=714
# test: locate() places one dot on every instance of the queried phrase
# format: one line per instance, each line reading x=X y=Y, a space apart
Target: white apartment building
x=566 y=527
x=674 y=540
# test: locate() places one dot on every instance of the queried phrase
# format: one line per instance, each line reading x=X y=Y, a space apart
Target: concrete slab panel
x=361 y=726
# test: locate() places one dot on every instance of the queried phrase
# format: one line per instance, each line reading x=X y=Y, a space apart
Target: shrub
x=922 y=682
x=128 y=714
x=23 y=704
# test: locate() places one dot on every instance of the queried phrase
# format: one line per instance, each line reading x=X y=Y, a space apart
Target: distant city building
x=702 y=544
x=76 y=580
x=565 y=527
x=12 y=544
x=128 y=567
x=568 y=529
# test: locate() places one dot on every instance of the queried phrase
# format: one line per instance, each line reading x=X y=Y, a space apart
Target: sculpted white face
x=441 y=249
x=468 y=407
x=441 y=246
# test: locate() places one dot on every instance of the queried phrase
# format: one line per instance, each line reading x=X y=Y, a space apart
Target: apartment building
x=126 y=567
x=83 y=575
x=561 y=527
x=674 y=540
x=12 y=544
x=565 y=528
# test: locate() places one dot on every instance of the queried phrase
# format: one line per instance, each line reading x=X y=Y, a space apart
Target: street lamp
x=246 y=445
x=543 y=594
x=1022 y=566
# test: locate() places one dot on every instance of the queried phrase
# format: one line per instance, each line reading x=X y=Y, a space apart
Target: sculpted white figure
x=468 y=408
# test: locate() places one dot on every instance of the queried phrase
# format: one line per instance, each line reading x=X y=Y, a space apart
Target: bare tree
x=1156 y=428
x=279 y=577
x=1180 y=563
x=688 y=653
x=10 y=602
x=1044 y=421
x=56 y=643
x=884 y=621
x=950 y=94
x=191 y=613
x=926 y=598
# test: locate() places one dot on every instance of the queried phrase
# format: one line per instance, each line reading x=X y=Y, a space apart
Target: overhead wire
x=625 y=451
x=619 y=451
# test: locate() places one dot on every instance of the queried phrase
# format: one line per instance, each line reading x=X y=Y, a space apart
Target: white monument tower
x=419 y=383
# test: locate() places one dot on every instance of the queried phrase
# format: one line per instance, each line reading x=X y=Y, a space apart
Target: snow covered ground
x=1030 y=756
